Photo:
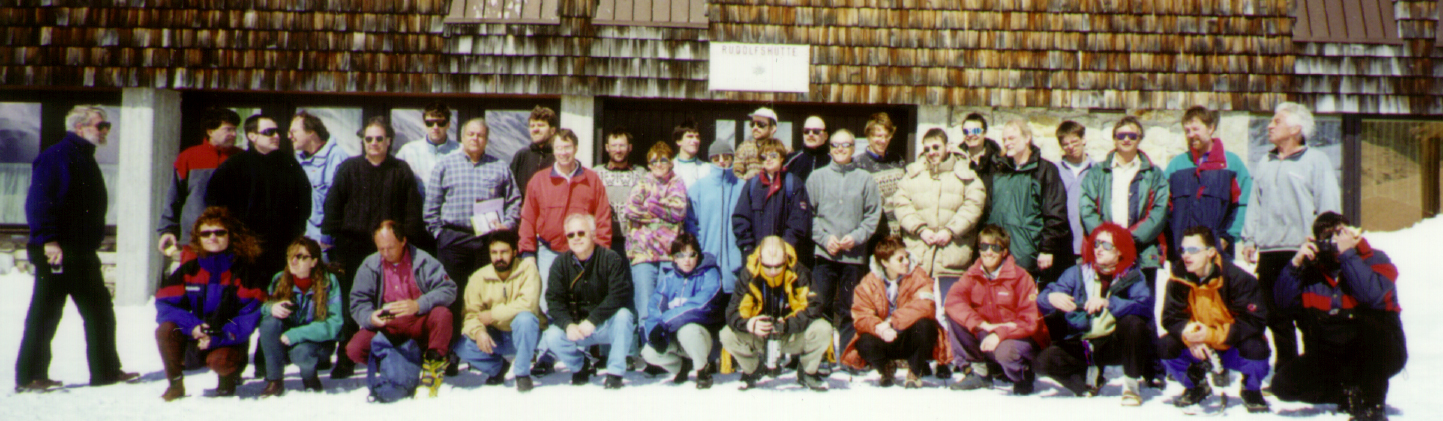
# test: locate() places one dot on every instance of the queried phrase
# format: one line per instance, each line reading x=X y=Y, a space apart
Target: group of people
x=980 y=257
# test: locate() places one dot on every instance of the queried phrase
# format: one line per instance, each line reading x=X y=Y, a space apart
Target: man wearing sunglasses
x=1128 y=190
x=185 y=200
x=1214 y=315
x=266 y=191
x=763 y=124
x=848 y=208
x=1210 y=185
x=1347 y=295
x=589 y=302
x=773 y=310
x=815 y=150
x=66 y=208
x=422 y=156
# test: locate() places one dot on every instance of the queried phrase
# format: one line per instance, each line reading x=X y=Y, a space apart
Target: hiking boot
x=344 y=368
x=118 y=377
x=38 y=385
x=274 y=388
x=582 y=375
x=1253 y=400
x=889 y=374
x=703 y=377
x=811 y=381
x=175 y=391
x=523 y=384
x=612 y=382
x=226 y=386
x=680 y=374
x=914 y=380
x=749 y=380
x=543 y=366
x=311 y=384
x=500 y=376
x=1025 y=386
x=971 y=380
x=944 y=371
x=1193 y=396
x=433 y=368
x=453 y=366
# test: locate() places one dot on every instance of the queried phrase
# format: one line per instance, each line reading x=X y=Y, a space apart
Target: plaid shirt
x=456 y=184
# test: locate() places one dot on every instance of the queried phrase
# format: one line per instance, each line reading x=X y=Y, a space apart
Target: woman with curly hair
x=300 y=321
x=207 y=303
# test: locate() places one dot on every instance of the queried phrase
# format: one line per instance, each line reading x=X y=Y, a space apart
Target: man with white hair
x=66 y=211
x=1292 y=185
x=588 y=303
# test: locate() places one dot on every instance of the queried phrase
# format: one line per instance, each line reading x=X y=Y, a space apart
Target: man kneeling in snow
x=1344 y=292
x=774 y=311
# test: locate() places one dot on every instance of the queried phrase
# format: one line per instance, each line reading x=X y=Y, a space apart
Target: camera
x=386 y=314
x=1325 y=247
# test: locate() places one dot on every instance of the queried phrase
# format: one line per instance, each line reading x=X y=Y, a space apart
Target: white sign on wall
x=759 y=67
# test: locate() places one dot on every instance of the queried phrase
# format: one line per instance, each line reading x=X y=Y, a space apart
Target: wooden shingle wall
x=1377 y=79
x=1097 y=54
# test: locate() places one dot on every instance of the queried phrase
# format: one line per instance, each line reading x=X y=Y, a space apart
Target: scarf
x=773 y=183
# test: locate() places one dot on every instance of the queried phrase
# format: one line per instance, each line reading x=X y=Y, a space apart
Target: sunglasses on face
x=843 y=145
x=1105 y=246
x=760 y=123
x=270 y=132
x=436 y=123
x=1192 y=250
x=813 y=131
x=575 y=234
x=684 y=255
x=302 y=257
x=771 y=155
x=213 y=233
x=984 y=247
x=933 y=147
x=972 y=132
x=1127 y=136
x=375 y=139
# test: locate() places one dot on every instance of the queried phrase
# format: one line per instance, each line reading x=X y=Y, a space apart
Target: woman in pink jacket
x=654 y=215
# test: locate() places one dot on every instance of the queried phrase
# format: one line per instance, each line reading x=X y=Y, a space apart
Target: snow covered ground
x=644 y=399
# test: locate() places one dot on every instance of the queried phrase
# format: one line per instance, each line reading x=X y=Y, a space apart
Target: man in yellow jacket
x=503 y=314
x=774 y=311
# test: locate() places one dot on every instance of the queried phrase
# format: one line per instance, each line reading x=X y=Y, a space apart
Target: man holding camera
x=773 y=311
x=404 y=292
x=1345 y=293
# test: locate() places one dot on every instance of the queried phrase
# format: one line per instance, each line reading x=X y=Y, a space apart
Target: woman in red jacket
x=894 y=313
x=993 y=312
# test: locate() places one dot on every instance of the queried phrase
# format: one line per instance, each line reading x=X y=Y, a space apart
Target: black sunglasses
x=813 y=131
x=574 y=234
x=995 y=248
x=375 y=139
x=1127 y=136
x=760 y=123
x=436 y=123
x=213 y=233
x=270 y=132
x=102 y=126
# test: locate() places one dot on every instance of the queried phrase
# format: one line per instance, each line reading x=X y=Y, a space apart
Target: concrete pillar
x=149 y=141
x=578 y=113
x=929 y=117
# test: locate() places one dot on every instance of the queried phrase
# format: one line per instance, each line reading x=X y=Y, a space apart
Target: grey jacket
x=1287 y=194
x=846 y=201
x=437 y=288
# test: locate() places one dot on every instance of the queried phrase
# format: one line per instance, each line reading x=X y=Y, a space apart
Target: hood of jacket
x=707 y=261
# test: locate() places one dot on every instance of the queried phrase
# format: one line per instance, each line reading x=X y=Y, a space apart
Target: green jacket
x=1147 y=204
x=1030 y=202
x=303 y=324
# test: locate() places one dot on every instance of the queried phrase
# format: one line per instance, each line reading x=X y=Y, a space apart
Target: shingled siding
x=1377 y=79
x=1097 y=54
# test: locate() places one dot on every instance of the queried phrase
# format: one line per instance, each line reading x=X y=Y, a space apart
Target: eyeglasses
x=995 y=248
x=436 y=123
x=270 y=132
x=1127 y=136
x=933 y=147
x=761 y=123
x=574 y=234
x=375 y=139
x=302 y=257
x=213 y=233
x=1105 y=246
x=684 y=255
x=972 y=132
x=102 y=126
x=1192 y=250
x=771 y=155
x=843 y=145
x=813 y=131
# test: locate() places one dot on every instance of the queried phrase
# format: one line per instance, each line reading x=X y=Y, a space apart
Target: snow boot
x=889 y=374
x=612 y=382
x=175 y=391
x=974 y=377
x=581 y=375
x=274 y=388
x=523 y=384
x=226 y=386
x=312 y=384
x=39 y=385
x=811 y=381
x=681 y=374
x=433 y=370
x=1253 y=400
x=749 y=380
x=343 y=369
x=703 y=377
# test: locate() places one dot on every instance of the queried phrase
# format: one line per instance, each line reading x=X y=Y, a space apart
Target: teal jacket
x=1185 y=161
x=305 y=327
x=1146 y=202
x=1030 y=202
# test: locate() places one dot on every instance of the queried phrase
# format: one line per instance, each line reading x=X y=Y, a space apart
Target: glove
x=657 y=339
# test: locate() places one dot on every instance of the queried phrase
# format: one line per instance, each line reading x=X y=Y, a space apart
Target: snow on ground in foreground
x=643 y=398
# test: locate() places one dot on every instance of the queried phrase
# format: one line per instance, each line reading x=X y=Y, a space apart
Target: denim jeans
x=305 y=355
x=643 y=283
x=521 y=341
x=619 y=331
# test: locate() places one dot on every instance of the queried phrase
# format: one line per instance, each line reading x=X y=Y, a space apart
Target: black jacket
x=363 y=195
x=1240 y=293
x=592 y=290
x=67 y=200
x=528 y=161
x=269 y=193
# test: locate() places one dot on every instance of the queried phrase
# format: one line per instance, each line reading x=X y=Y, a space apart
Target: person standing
x=886 y=168
x=619 y=177
x=456 y=186
x=185 y=200
x=1072 y=169
x=654 y=216
x=763 y=126
x=266 y=190
x=65 y=208
x=1128 y=190
x=848 y=208
x=320 y=158
x=773 y=203
x=815 y=152
x=565 y=188
x=1292 y=185
x=688 y=164
x=1027 y=199
x=538 y=155
x=422 y=156
x=710 y=203
x=1209 y=184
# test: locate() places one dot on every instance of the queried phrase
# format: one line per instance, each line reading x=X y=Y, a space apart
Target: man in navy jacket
x=66 y=208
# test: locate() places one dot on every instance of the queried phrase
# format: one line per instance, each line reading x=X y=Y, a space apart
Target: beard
x=501 y=265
